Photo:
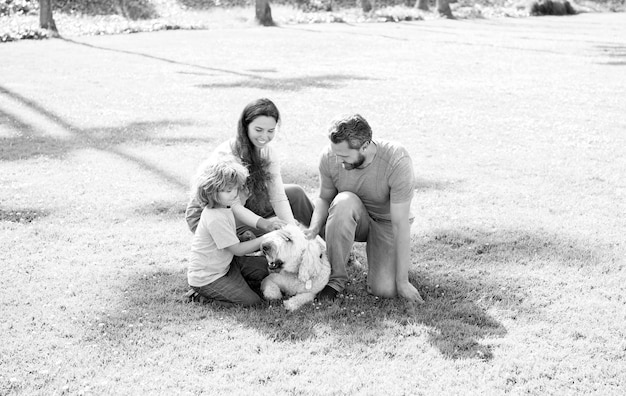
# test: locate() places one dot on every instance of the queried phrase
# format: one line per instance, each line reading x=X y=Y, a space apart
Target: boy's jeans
x=241 y=285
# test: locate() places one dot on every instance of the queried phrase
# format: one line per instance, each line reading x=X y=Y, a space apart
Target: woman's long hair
x=259 y=201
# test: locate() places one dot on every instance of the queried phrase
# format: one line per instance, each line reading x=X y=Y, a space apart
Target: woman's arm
x=276 y=189
x=192 y=214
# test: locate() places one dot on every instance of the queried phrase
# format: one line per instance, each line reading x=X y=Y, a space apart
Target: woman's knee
x=294 y=190
x=301 y=205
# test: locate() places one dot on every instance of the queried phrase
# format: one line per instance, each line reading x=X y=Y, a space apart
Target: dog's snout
x=277 y=264
x=265 y=247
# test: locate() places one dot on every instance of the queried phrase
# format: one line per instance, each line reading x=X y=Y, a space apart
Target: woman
x=267 y=204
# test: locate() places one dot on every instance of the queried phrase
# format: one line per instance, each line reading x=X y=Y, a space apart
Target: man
x=366 y=188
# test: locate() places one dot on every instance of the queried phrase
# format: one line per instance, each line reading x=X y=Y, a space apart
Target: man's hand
x=311 y=233
x=407 y=291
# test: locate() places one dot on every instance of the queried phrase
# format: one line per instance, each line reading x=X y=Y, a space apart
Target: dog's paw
x=291 y=304
x=271 y=291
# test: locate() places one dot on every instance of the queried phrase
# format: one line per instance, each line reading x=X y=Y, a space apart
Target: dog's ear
x=311 y=261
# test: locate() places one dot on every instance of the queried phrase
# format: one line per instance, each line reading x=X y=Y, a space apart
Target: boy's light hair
x=217 y=174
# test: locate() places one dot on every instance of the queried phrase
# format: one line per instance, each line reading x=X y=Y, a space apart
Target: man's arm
x=318 y=218
x=402 y=238
x=326 y=194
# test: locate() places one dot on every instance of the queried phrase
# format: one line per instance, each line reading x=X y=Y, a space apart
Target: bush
x=549 y=7
x=18 y=7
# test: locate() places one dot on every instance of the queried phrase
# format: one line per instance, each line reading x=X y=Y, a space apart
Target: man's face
x=350 y=158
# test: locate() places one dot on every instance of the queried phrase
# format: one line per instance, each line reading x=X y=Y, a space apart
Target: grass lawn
x=518 y=136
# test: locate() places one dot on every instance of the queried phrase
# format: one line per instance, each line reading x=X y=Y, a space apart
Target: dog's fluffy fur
x=301 y=268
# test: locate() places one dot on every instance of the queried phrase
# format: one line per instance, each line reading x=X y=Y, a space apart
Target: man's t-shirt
x=209 y=258
x=388 y=178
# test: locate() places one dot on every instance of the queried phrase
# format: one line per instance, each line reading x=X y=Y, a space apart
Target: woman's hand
x=272 y=224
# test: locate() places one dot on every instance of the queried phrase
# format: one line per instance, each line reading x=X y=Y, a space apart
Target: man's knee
x=382 y=289
x=345 y=204
x=381 y=281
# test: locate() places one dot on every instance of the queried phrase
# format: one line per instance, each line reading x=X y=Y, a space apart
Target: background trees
x=46 y=21
x=443 y=7
x=263 y=13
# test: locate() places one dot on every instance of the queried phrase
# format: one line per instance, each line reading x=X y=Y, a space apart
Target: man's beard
x=359 y=162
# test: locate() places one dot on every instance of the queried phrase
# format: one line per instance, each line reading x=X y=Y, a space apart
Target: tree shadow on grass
x=253 y=78
x=288 y=84
x=207 y=5
x=173 y=209
x=456 y=328
x=617 y=52
x=474 y=248
x=454 y=272
x=166 y=60
x=28 y=141
x=21 y=215
x=459 y=286
x=356 y=31
x=422 y=184
x=306 y=175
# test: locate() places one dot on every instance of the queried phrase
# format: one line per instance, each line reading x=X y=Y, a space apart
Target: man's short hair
x=352 y=129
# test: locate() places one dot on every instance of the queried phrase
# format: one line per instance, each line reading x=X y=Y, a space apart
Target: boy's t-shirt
x=209 y=259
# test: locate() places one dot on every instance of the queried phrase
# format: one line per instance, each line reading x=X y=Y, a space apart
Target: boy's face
x=227 y=196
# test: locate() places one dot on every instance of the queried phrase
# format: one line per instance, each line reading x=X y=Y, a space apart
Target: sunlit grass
x=517 y=244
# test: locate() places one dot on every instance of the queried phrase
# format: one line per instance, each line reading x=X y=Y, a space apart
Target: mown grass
x=516 y=134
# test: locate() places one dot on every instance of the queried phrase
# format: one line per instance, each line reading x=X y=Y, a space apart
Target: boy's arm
x=243 y=248
x=251 y=219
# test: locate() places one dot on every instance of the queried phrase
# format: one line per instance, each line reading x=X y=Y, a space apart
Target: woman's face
x=261 y=131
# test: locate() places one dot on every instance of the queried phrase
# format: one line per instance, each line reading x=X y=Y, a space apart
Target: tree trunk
x=264 y=13
x=443 y=7
x=45 y=18
x=422 y=5
x=366 y=5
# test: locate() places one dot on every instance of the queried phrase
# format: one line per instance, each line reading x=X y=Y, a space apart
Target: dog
x=299 y=267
